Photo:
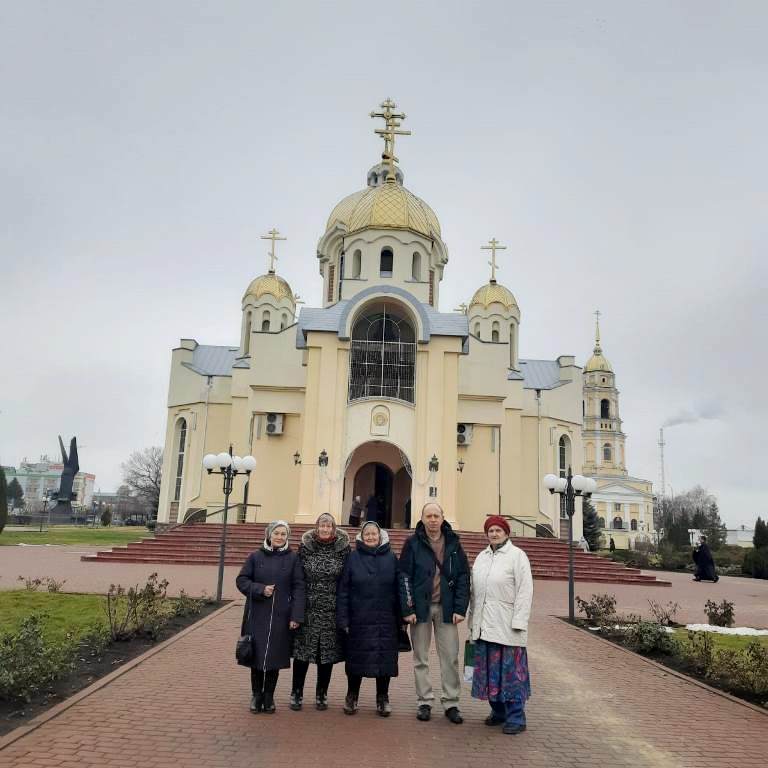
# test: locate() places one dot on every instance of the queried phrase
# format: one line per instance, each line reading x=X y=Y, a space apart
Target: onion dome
x=597 y=362
x=493 y=293
x=272 y=285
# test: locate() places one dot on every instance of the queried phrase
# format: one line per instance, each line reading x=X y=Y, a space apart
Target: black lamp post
x=228 y=466
x=434 y=465
x=570 y=486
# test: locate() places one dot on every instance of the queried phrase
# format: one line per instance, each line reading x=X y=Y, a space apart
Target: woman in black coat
x=705 y=563
x=272 y=581
x=322 y=552
x=367 y=611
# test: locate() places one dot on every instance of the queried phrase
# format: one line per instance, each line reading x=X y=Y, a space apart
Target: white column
x=625 y=507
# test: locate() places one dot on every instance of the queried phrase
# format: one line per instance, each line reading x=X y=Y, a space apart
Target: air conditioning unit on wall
x=464 y=434
x=275 y=423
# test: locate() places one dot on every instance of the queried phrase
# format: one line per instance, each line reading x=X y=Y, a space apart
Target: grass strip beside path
x=64 y=612
x=68 y=535
x=734 y=642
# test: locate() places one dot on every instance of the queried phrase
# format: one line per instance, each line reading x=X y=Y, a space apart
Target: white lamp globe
x=237 y=463
x=550 y=482
x=592 y=485
x=210 y=461
x=579 y=483
x=561 y=484
x=224 y=460
x=249 y=463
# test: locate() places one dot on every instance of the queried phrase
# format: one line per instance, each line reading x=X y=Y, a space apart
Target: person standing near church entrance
x=272 y=581
x=323 y=551
x=434 y=597
x=502 y=595
x=356 y=512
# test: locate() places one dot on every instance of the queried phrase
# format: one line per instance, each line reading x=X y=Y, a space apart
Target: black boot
x=257 y=701
x=321 y=700
x=382 y=706
x=297 y=699
x=270 y=683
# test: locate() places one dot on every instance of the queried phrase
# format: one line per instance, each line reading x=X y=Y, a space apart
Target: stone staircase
x=199 y=545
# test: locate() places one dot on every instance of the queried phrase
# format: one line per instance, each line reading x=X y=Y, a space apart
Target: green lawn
x=63 y=612
x=725 y=641
x=95 y=537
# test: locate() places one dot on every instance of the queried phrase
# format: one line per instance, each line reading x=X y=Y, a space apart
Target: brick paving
x=593 y=704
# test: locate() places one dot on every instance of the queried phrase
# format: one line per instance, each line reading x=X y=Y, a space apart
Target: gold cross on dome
x=273 y=236
x=597 y=326
x=392 y=122
x=461 y=308
x=493 y=246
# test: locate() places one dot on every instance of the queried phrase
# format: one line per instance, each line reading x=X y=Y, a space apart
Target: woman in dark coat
x=705 y=563
x=318 y=641
x=367 y=610
x=272 y=581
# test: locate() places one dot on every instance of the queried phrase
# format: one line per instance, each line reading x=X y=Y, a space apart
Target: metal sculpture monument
x=65 y=496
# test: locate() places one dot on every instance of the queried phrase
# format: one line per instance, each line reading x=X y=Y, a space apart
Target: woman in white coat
x=500 y=605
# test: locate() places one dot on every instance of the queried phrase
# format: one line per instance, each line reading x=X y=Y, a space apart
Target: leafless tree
x=141 y=473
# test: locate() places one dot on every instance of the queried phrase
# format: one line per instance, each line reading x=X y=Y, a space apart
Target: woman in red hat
x=500 y=605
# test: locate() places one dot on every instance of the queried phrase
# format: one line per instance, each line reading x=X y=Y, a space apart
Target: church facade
x=375 y=393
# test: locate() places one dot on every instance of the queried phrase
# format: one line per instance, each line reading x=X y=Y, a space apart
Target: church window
x=341 y=273
x=477 y=330
x=382 y=356
x=416 y=266
x=618 y=523
x=265 y=318
x=386 y=262
x=431 y=287
x=605 y=409
x=601 y=522
x=495 y=331
x=564 y=455
x=180 y=444
x=331 y=277
x=607 y=453
x=283 y=321
x=512 y=360
x=248 y=328
x=633 y=524
x=357 y=264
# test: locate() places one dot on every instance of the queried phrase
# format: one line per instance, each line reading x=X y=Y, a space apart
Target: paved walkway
x=593 y=704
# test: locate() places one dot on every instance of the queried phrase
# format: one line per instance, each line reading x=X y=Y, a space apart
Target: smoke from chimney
x=706 y=411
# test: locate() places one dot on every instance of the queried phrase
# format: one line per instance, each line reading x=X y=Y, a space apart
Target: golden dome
x=272 y=285
x=387 y=206
x=493 y=293
x=597 y=362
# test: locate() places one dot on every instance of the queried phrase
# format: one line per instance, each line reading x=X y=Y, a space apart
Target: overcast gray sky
x=617 y=148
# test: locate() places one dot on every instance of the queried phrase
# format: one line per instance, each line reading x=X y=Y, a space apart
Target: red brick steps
x=199 y=545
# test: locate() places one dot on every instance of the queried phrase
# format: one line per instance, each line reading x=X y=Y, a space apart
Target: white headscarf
x=268 y=535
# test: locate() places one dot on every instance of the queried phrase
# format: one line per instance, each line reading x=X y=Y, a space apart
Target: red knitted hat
x=496 y=520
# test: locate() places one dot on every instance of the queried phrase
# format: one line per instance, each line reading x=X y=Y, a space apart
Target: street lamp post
x=570 y=486
x=228 y=466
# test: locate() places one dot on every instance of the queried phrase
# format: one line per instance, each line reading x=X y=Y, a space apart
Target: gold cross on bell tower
x=392 y=122
x=273 y=236
x=493 y=246
x=597 y=328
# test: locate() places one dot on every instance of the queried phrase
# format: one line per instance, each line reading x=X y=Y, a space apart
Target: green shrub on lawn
x=744 y=669
x=648 y=637
x=29 y=661
x=756 y=563
x=599 y=609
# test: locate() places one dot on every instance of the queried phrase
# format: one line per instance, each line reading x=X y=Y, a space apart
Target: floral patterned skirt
x=501 y=672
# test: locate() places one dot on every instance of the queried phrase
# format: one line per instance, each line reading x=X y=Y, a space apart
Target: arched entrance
x=376 y=472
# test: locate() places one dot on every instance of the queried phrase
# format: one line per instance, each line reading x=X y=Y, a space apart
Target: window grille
x=180 y=458
x=382 y=359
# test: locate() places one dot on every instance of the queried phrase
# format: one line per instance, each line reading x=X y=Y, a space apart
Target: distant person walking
x=272 y=581
x=704 y=562
x=612 y=545
x=323 y=551
x=434 y=597
x=502 y=595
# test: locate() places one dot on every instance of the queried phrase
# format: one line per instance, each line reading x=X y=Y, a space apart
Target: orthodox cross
x=597 y=326
x=493 y=246
x=273 y=236
x=392 y=122
x=461 y=308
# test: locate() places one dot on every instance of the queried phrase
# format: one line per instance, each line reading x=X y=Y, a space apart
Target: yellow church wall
x=479 y=484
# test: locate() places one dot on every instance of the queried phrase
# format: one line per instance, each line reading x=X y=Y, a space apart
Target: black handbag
x=244 y=647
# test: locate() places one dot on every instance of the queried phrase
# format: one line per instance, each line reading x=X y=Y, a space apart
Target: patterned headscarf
x=325 y=516
x=268 y=535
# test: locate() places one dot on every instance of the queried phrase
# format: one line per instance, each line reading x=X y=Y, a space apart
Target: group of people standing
x=329 y=602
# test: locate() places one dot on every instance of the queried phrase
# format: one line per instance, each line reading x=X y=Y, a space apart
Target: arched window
x=607 y=453
x=495 y=331
x=512 y=358
x=601 y=522
x=633 y=524
x=179 y=444
x=477 y=330
x=357 y=264
x=605 y=409
x=563 y=455
x=382 y=356
x=248 y=329
x=617 y=523
x=283 y=321
x=265 y=318
x=416 y=266
x=385 y=263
